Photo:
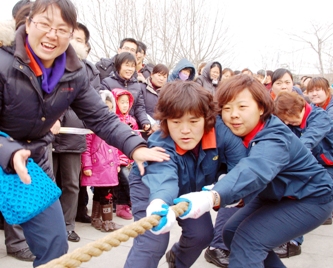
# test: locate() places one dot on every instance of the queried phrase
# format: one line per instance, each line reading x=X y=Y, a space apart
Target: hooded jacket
x=204 y=79
x=138 y=110
x=182 y=64
x=125 y=118
x=27 y=113
x=101 y=158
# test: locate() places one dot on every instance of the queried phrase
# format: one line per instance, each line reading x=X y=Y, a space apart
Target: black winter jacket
x=27 y=113
x=105 y=66
x=71 y=143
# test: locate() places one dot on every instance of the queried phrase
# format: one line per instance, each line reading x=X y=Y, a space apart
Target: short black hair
x=84 y=28
x=18 y=5
x=142 y=46
x=131 y=40
x=122 y=58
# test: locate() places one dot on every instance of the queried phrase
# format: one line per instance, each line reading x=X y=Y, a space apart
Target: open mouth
x=48 y=46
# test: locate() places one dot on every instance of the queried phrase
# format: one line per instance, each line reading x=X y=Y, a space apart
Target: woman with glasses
x=40 y=77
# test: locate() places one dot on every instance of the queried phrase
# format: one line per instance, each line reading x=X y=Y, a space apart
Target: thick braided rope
x=96 y=248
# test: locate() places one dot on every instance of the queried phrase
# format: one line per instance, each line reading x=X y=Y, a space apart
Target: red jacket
x=125 y=118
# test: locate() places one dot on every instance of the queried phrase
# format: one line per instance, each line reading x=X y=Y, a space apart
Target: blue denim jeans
x=46 y=234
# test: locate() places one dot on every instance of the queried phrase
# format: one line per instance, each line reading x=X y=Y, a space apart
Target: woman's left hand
x=143 y=154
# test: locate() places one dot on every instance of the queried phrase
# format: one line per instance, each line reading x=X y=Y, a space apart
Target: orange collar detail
x=326 y=103
x=33 y=63
x=208 y=141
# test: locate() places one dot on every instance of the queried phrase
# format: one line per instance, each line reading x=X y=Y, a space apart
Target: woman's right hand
x=20 y=165
x=87 y=172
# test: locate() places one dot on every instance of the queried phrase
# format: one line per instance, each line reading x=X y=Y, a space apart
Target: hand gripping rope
x=114 y=239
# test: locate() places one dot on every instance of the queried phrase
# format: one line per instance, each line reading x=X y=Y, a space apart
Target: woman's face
x=159 y=79
x=48 y=45
x=127 y=69
x=284 y=83
x=215 y=73
x=317 y=95
x=186 y=131
x=226 y=75
x=242 y=113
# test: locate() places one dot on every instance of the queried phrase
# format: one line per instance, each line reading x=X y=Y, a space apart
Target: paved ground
x=316 y=250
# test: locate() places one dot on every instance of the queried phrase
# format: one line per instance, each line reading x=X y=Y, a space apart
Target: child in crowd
x=100 y=167
x=124 y=102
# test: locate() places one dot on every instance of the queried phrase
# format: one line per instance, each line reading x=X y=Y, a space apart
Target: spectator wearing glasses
x=143 y=70
x=106 y=65
x=41 y=76
x=15 y=242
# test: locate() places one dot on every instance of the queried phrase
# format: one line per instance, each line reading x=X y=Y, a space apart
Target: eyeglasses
x=47 y=28
x=129 y=49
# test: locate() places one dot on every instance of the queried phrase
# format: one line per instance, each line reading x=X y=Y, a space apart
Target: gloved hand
x=208 y=187
x=198 y=204
x=168 y=217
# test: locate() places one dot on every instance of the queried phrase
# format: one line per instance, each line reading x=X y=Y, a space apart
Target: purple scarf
x=51 y=76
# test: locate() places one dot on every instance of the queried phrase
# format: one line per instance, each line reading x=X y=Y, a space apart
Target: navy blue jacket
x=278 y=166
x=184 y=173
x=316 y=133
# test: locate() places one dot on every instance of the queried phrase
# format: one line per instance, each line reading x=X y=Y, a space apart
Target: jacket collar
x=253 y=133
x=308 y=110
x=72 y=61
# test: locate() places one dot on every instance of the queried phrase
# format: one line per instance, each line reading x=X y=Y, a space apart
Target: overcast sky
x=260 y=29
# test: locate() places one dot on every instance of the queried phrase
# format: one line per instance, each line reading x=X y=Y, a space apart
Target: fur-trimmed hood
x=107 y=93
x=7 y=32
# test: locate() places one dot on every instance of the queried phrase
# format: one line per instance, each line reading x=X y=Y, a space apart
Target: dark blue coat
x=185 y=173
x=317 y=134
x=278 y=165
